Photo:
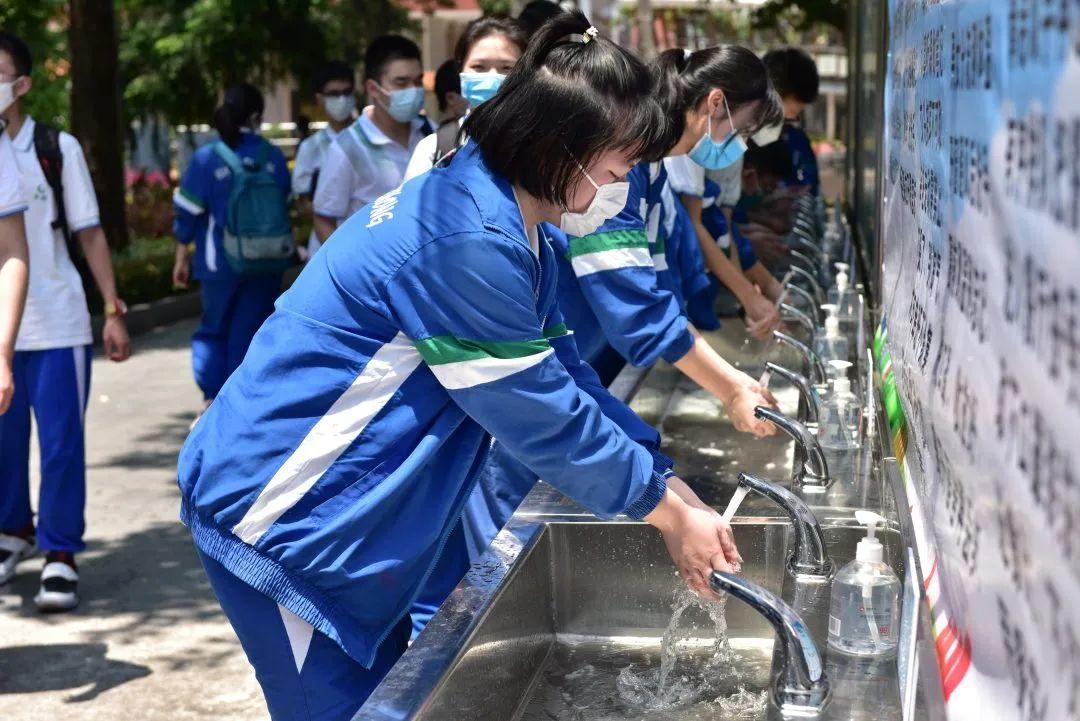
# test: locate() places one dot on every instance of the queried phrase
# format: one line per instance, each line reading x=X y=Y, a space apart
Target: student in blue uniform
x=618 y=286
x=692 y=77
x=321 y=486
x=234 y=305
x=795 y=77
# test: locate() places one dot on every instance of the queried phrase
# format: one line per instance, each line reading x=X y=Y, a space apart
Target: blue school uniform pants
x=304 y=675
x=233 y=309
x=53 y=384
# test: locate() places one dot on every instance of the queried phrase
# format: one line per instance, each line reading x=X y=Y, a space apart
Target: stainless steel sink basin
x=566 y=618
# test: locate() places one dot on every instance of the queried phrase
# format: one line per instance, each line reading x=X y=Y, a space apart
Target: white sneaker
x=13 y=551
x=58 y=584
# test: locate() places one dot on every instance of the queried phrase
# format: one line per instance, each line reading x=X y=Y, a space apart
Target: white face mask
x=767 y=135
x=340 y=107
x=605 y=205
x=7 y=95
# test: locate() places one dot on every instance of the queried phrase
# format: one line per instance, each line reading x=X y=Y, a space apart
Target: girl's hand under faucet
x=698 y=540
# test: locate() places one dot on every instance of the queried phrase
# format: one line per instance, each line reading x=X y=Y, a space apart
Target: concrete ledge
x=145 y=317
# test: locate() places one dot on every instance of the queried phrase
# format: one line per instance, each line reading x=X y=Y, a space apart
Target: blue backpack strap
x=236 y=165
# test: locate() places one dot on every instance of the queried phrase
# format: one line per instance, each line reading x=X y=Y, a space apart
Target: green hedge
x=144 y=270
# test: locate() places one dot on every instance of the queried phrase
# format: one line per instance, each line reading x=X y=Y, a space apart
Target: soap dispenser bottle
x=840 y=413
x=831 y=345
x=843 y=296
x=865 y=611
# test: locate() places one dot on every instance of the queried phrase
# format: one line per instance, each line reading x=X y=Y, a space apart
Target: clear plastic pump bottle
x=831 y=345
x=864 y=616
x=840 y=421
x=843 y=296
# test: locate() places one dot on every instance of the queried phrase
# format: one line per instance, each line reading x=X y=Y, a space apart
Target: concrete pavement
x=148 y=641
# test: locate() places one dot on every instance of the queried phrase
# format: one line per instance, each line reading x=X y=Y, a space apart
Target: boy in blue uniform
x=234 y=305
x=795 y=77
x=321 y=486
x=50 y=366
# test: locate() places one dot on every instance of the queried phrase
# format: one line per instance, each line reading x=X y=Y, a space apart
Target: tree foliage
x=42 y=24
x=177 y=55
x=802 y=15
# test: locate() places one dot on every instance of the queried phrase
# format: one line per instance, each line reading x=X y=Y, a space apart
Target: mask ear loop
x=731 y=121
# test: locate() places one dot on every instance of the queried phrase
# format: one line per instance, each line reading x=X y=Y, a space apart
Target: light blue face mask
x=405 y=103
x=714 y=155
x=479 y=87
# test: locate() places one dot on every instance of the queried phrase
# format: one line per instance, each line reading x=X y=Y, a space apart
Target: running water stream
x=695 y=675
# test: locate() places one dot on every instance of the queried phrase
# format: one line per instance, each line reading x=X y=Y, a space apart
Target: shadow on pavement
x=156 y=448
x=29 y=669
x=139 y=586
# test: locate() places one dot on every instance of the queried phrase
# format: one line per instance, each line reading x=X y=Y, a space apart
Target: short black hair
x=564 y=103
x=447 y=80
x=684 y=79
x=386 y=49
x=333 y=70
x=20 y=54
x=481 y=28
x=793 y=73
x=536 y=13
x=773 y=159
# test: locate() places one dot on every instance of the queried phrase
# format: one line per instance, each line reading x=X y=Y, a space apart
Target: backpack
x=258 y=232
x=51 y=160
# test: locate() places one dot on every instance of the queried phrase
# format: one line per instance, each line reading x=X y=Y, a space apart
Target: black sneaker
x=13 y=551
x=59 y=582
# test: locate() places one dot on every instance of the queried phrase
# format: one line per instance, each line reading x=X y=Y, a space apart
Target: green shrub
x=144 y=270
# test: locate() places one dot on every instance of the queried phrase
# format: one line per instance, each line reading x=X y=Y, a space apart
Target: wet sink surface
x=585 y=680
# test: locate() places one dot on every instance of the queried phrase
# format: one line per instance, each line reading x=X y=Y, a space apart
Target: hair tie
x=583 y=38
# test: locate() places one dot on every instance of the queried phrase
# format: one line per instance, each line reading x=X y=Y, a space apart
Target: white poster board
x=981 y=292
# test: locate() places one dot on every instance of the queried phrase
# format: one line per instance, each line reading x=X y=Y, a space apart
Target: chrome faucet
x=790 y=312
x=813 y=360
x=800 y=687
x=805 y=295
x=806 y=244
x=804 y=224
x=808 y=264
x=809 y=557
x=814 y=285
x=813 y=473
x=809 y=395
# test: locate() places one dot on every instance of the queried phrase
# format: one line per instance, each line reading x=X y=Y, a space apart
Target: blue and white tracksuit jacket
x=615 y=286
x=688 y=273
x=335 y=461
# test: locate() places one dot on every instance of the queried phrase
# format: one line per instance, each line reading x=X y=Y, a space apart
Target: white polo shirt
x=56 y=315
x=309 y=159
x=11 y=196
x=362 y=165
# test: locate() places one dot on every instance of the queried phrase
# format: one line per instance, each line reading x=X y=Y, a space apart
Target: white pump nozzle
x=832 y=325
x=842 y=281
x=869 y=549
x=841 y=383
